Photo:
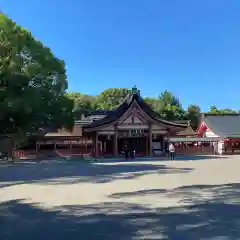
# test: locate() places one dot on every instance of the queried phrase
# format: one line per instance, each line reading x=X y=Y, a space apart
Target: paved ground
x=183 y=199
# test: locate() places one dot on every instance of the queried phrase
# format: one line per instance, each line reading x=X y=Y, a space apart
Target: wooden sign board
x=132 y=133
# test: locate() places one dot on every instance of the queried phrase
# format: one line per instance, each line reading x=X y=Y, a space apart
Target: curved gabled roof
x=130 y=98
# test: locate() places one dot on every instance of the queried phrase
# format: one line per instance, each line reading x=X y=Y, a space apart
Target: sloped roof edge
x=117 y=113
x=225 y=126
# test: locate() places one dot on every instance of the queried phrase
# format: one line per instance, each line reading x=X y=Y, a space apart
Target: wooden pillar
x=71 y=146
x=105 y=145
x=96 y=145
x=168 y=136
x=146 y=145
x=150 y=140
x=115 y=143
x=99 y=148
x=37 y=146
x=168 y=142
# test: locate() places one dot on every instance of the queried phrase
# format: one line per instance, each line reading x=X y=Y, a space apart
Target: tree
x=151 y=102
x=167 y=98
x=215 y=110
x=65 y=116
x=32 y=83
x=73 y=95
x=193 y=114
x=228 y=111
x=83 y=105
x=111 y=98
x=172 y=113
x=169 y=106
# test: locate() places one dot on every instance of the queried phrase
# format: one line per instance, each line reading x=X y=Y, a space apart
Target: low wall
x=32 y=154
x=195 y=150
x=43 y=154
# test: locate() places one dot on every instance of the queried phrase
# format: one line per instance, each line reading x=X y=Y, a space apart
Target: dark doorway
x=136 y=143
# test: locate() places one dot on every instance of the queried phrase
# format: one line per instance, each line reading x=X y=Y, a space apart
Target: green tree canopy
x=111 y=98
x=83 y=104
x=169 y=106
x=167 y=98
x=73 y=95
x=193 y=114
x=215 y=110
x=32 y=83
x=152 y=102
x=166 y=105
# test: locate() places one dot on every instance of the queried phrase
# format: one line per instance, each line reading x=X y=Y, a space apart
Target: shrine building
x=134 y=124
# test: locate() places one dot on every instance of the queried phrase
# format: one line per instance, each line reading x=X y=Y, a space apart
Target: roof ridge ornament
x=135 y=90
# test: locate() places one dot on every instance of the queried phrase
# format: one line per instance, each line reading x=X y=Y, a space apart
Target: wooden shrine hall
x=133 y=124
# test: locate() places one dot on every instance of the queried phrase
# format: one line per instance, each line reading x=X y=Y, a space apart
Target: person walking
x=171 y=150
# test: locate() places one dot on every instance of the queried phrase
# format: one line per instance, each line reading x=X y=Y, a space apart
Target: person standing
x=215 y=148
x=133 y=153
x=126 y=151
x=171 y=150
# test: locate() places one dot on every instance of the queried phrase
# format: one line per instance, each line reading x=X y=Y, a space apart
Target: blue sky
x=191 y=48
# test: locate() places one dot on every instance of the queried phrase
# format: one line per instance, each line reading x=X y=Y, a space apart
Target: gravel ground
x=189 y=198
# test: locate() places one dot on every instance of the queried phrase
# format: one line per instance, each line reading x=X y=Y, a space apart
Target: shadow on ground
x=76 y=172
x=188 y=194
x=218 y=217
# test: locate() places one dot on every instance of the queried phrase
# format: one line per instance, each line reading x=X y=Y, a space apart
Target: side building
x=224 y=128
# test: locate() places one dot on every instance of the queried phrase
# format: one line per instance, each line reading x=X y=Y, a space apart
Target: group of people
x=130 y=152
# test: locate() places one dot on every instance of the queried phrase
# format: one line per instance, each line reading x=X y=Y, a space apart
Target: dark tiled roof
x=76 y=132
x=99 y=112
x=187 y=132
x=186 y=122
x=226 y=126
x=117 y=113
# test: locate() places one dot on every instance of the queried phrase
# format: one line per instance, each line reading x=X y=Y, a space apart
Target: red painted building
x=224 y=128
